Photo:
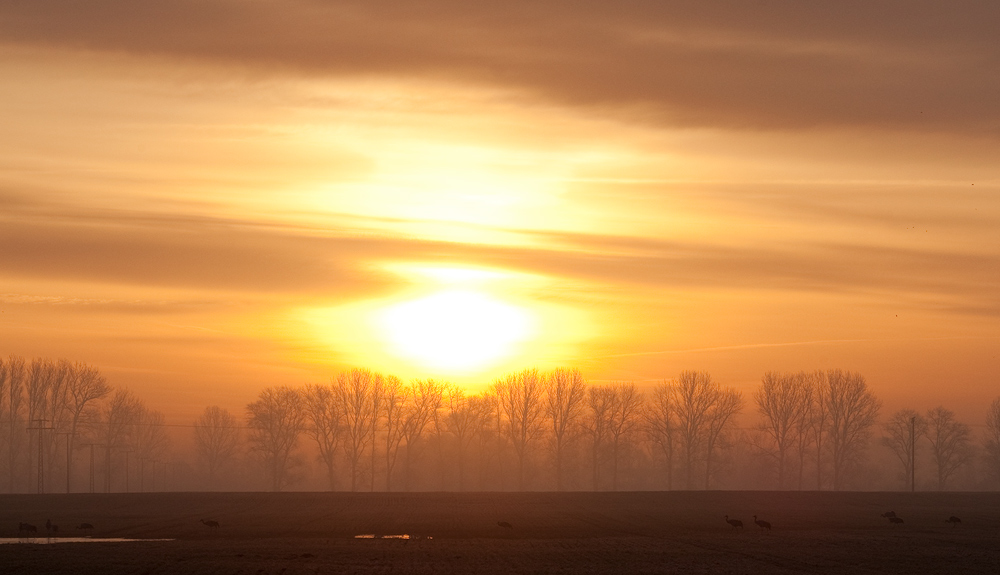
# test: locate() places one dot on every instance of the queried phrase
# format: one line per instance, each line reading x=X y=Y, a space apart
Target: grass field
x=675 y=532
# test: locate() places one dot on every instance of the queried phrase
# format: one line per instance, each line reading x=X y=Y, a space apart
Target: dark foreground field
x=677 y=532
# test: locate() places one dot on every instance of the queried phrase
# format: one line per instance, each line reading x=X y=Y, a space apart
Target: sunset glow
x=206 y=199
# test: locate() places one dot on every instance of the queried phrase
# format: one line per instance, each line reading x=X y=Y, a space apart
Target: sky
x=204 y=198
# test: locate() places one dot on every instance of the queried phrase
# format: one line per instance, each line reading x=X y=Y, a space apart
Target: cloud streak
x=900 y=65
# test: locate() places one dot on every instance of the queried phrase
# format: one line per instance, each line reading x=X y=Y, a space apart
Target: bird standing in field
x=736 y=523
x=505 y=525
x=953 y=520
x=764 y=525
x=210 y=523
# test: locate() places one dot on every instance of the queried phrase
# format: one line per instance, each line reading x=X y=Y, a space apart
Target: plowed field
x=676 y=532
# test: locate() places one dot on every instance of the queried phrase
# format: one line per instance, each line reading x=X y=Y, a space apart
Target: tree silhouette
x=354 y=391
x=520 y=401
x=324 y=423
x=275 y=421
x=853 y=411
x=783 y=402
x=217 y=440
x=897 y=438
x=950 y=446
x=991 y=440
x=565 y=393
x=660 y=426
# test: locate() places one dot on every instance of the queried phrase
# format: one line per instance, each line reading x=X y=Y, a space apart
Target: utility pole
x=67 y=434
x=40 y=426
x=913 y=454
x=127 y=451
x=92 y=467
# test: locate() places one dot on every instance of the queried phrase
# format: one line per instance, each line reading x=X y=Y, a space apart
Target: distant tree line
x=55 y=413
x=528 y=430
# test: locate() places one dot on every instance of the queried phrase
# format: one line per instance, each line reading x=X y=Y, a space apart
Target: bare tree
x=16 y=375
x=565 y=393
x=819 y=419
x=950 y=445
x=694 y=394
x=782 y=401
x=853 y=410
x=120 y=414
x=467 y=415
x=901 y=432
x=727 y=404
x=375 y=397
x=520 y=399
x=991 y=440
x=148 y=437
x=217 y=441
x=804 y=423
x=601 y=401
x=427 y=398
x=324 y=423
x=626 y=405
x=85 y=387
x=354 y=391
x=395 y=399
x=275 y=421
x=661 y=428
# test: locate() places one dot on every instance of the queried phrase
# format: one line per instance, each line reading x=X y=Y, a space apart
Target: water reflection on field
x=52 y=540
x=401 y=536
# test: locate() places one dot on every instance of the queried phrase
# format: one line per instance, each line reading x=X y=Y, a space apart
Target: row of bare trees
x=51 y=410
x=533 y=429
x=373 y=429
x=527 y=430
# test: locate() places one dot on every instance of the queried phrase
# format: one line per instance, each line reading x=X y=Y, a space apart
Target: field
x=676 y=532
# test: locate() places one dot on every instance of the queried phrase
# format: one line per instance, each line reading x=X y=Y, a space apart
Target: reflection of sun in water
x=455 y=329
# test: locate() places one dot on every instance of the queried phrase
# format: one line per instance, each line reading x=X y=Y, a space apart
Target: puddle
x=401 y=536
x=53 y=540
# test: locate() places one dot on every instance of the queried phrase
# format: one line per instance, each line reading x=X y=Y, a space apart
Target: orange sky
x=203 y=198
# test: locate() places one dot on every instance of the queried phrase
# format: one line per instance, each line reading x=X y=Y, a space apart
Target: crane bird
x=210 y=523
x=953 y=520
x=736 y=523
x=761 y=523
x=505 y=525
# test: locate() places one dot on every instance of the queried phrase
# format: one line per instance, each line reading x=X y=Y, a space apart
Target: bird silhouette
x=762 y=524
x=210 y=523
x=953 y=520
x=505 y=525
x=736 y=523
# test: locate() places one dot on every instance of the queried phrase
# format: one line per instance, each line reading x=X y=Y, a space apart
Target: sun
x=455 y=330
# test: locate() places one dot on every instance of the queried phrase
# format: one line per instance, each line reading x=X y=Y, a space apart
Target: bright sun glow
x=455 y=330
